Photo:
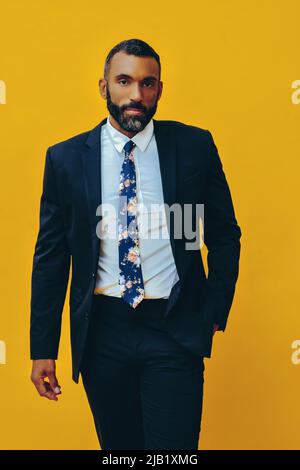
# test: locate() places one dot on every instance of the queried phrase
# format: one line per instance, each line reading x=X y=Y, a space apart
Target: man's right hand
x=41 y=369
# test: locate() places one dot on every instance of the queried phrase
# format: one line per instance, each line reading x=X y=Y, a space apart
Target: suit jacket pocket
x=191 y=177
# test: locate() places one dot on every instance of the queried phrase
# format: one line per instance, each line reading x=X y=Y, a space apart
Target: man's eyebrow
x=124 y=75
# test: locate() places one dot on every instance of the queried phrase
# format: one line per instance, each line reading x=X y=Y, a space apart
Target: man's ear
x=160 y=90
x=102 y=87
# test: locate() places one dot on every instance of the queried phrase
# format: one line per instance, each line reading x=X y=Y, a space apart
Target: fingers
x=45 y=369
x=50 y=394
x=44 y=389
x=54 y=383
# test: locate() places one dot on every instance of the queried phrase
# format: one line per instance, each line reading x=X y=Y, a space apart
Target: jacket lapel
x=166 y=147
x=91 y=164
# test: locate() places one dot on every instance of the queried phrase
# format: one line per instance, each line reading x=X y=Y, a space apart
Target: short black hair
x=135 y=47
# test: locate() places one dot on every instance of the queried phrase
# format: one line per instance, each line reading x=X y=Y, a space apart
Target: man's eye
x=148 y=83
x=123 y=80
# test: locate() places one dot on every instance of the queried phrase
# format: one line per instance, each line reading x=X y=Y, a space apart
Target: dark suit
x=192 y=173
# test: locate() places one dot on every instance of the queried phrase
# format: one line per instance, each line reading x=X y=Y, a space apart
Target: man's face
x=132 y=90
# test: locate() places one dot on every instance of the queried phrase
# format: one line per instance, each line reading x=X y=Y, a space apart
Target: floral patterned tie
x=130 y=278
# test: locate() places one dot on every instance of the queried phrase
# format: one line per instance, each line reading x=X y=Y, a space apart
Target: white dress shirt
x=157 y=261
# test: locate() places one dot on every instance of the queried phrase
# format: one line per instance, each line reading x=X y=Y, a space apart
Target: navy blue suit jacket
x=192 y=173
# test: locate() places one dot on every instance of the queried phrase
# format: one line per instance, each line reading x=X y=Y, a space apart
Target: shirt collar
x=141 y=139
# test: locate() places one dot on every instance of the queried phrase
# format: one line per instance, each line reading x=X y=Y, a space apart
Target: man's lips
x=134 y=111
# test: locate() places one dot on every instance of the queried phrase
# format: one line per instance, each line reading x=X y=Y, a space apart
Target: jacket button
x=86 y=315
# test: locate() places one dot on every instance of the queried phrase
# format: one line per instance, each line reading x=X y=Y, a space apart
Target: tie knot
x=128 y=146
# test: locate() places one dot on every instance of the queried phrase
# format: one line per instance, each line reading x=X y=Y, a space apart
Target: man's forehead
x=133 y=66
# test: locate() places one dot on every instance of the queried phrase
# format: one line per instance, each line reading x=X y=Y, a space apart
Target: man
x=143 y=313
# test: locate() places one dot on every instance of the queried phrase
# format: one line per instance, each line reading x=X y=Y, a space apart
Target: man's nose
x=136 y=93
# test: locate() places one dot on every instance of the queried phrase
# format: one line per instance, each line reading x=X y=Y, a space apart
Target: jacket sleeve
x=50 y=272
x=222 y=238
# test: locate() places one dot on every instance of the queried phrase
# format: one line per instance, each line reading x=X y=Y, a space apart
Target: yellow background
x=227 y=66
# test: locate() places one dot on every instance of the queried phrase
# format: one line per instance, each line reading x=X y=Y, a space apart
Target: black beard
x=131 y=123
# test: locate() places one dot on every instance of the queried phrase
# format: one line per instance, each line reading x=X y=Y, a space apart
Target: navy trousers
x=144 y=389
